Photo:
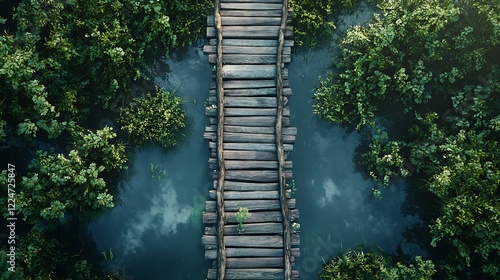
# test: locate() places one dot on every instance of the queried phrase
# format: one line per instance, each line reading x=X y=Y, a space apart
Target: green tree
x=357 y=264
x=432 y=66
x=156 y=118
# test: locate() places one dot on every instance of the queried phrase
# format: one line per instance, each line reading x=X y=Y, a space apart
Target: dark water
x=156 y=234
x=337 y=211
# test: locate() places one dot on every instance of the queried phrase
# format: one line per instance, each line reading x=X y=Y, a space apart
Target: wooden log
x=210 y=49
x=249 y=155
x=253 y=1
x=255 y=146
x=255 y=175
x=251 y=42
x=260 y=130
x=255 y=205
x=250 y=252
x=251 y=164
x=231 y=112
x=249 y=84
x=250 y=13
x=210 y=217
x=254 y=121
x=254 y=262
x=248 y=59
x=245 y=102
x=257 y=228
x=253 y=274
x=246 y=186
x=248 y=195
x=254 y=241
x=228 y=20
x=249 y=32
x=230 y=137
x=250 y=71
x=250 y=6
x=253 y=92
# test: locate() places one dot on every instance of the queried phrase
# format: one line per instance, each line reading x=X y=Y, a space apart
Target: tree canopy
x=421 y=82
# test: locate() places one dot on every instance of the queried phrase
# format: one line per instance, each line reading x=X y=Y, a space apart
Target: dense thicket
x=421 y=82
x=371 y=264
x=61 y=61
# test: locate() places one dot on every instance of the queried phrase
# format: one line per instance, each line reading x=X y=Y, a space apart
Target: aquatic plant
x=241 y=216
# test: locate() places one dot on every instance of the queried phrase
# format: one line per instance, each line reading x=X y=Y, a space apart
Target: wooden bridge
x=249 y=134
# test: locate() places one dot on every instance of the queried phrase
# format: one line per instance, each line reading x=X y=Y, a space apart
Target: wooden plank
x=229 y=20
x=210 y=217
x=246 y=186
x=253 y=92
x=254 y=262
x=257 y=228
x=231 y=112
x=251 y=42
x=249 y=32
x=249 y=273
x=255 y=205
x=250 y=13
x=256 y=129
x=249 y=155
x=251 y=71
x=248 y=195
x=254 y=121
x=255 y=147
x=249 y=84
x=248 y=59
x=230 y=137
x=250 y=6
x=259 y=102
x=250 y=252
x=253 y=164
x=254 y=241
x=209 y=49
x=253 y=1
x=255 y=175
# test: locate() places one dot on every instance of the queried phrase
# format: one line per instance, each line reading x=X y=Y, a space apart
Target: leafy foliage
x=241 y=216
x=433 y=66
x=156 y=118
x=360 y=265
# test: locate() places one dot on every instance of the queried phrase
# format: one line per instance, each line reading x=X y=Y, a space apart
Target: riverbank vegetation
x=61 y=64
x=421 y=83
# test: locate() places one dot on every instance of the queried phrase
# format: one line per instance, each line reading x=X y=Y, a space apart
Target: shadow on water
x=336 y=208
x=156 y=231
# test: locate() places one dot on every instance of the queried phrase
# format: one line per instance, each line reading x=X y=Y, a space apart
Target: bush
x=156 y=118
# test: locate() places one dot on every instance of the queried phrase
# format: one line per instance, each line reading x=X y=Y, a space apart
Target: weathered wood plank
x=249 y=155
x=248 y=59
x=254 y=121
x=251 y=164
x=254 y=1
x=233 y=112
x=249 y=32
x=228 y=20
x=255 y=175
x=257 y=228
x=252 y=146
x=250 y=13
x=253 y=92
x=254 y=241
x=252 y=205
x=253 y=274
x=249 y=84
x=256 y=129
x=250 y=71
x=251 y=252
x=258 y=102
x=246 y=186
x=254 y=262
x=251 y=42
x=250 y=6
x=210 y=49
x=210 y=217
x=248 y=195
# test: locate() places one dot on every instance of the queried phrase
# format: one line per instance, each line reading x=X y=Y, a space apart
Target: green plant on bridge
x=241 y=217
